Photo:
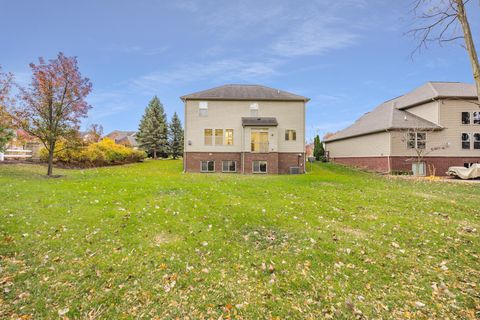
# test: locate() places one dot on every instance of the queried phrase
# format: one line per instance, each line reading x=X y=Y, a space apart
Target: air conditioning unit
x=294 y=170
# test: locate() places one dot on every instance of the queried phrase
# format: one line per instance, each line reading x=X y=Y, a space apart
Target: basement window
x=229 y=166
x=207 y=166
x=259 y=166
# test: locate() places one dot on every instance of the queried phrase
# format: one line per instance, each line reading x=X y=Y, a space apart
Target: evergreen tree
x=176 y=137
x=318 y=151
x=152 y=133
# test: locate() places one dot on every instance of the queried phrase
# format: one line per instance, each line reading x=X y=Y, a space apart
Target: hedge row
x=103 y=153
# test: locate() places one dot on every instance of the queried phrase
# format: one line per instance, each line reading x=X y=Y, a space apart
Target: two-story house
x=244 y=129
x=440 y=120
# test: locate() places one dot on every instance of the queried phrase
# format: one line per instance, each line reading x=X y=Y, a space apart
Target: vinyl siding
x=372 y=145
x=228 y=114
x=450 y=112
x=428 y=111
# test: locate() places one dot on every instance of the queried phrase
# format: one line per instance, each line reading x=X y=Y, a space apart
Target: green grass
x=147 y=241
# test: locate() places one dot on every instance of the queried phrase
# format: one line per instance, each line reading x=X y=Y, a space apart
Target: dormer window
x=203 y=109
x=254 y=110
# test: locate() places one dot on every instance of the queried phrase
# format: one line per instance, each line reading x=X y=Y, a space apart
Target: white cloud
x=224 y=70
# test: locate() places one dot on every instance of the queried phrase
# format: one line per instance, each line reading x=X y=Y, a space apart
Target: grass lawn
x=147 y=241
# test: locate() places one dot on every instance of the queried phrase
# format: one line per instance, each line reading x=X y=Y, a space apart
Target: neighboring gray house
x=440 y=115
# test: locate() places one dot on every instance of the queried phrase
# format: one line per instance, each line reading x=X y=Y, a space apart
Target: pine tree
x=318 y=151
x=176 y=137
x=152 y=133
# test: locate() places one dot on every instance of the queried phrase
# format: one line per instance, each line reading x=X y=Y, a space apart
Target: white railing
x=16 y=153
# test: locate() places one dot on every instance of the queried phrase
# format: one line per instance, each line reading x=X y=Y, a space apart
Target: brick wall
x=441 y=164
x=271 y=158
x=287 y=160
x=192 y=160
x=276 y=162
x=379 y=164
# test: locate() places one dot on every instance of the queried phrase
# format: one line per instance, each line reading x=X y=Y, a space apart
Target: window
x=465 y=141
x=207 y=166
x=218 y=137
x=465 y=117
x=203 y=109
x=476 y=141
x=229 y=166
x=259 y=167
x=476 y=117
x=254 y=110
x=290 y=135
x=417 y=140
x=208 y=136
x=259 y=140
x=229 y=137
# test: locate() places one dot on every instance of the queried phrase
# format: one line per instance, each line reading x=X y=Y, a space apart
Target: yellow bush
x=105 y=152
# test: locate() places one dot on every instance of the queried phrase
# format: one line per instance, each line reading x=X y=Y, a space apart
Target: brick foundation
x=378 y=164
x=381 y=164
x=277 y=163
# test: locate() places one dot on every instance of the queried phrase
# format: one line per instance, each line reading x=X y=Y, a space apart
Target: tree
x=94 y=132
x=318 y=150
x=152 y=133
x=416 y=140
x=6 y=132
x=176 y=137
x=52 y=106
x=442 y=20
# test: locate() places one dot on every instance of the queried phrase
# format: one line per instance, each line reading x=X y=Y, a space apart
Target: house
x=124 y=138
x=244 y=129
x=440 y=120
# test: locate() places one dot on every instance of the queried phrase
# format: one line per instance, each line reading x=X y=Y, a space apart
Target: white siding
x=372 y=145
x=228 y=115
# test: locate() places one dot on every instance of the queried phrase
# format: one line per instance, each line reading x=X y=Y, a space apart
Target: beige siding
x=228 y=114
x=428 y=111
x=372 y=145
x=450 y=119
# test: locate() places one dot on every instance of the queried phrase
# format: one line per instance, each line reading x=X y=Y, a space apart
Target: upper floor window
x=476 y=117
x=417 y=140
x=208 y=136
x=229 y=137
x=476 y=141
x=465 y=117
x=203 y=109
x=254 y=110
x=465 y=141
x=290 y=135
x=218 y=136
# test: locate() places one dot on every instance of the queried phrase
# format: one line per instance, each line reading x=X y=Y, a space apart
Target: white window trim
x=416 y=140
x=260 y=172
x=284 y=136
x=201 y=169
x=212 y=140
x=229 y=170
x=225 y=137
x=202 y=106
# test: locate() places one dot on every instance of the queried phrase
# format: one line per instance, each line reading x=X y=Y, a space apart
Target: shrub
x=102 y=153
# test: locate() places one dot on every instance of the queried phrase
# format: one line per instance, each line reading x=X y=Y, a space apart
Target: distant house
x=244 y=129
x=438 y=115
x=125 y=138
x=309 y=150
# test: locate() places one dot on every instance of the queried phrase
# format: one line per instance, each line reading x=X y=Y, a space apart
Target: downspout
x=184 y=136
x=242 y=154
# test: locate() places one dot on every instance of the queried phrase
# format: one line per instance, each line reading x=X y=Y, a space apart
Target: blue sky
x=347 y=56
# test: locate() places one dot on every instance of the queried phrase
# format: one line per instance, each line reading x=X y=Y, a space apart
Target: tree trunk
x=50 y=162
x=470 y=45
x=154 y=153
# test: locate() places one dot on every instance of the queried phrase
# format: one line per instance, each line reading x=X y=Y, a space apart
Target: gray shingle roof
x=392 y=115
x=259 y=121
x=244 y=92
